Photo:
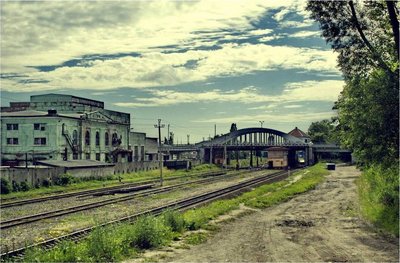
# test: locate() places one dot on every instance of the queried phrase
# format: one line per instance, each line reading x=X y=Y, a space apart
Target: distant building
x=65 y=127
x=296 y=132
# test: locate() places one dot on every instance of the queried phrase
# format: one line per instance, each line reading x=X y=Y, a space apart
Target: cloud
x=165 y=34
x=327 y=90
x=271 y=117
x=157 y=69
x=305 y=34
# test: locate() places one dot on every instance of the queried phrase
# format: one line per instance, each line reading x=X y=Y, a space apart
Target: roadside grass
x=116 y=242
x=112 y=180
x=378 y=190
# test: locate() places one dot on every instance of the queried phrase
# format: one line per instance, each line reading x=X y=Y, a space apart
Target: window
x=12 y=126
x=75 y=137
x=39 y=141
x=106 y=139
x=98 y=156
x=12 y=141
x=87 y=138
x=88 y=156
x=39 y=126
x=97 y=139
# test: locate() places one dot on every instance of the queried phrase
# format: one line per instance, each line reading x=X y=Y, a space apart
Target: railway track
x=102 y=190
x=180 y=205
x=74 y=209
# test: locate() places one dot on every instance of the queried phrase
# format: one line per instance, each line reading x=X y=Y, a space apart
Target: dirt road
x=321 y=225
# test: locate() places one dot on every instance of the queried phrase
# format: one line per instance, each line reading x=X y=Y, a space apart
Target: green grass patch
x=378 y=190
x=196 y=238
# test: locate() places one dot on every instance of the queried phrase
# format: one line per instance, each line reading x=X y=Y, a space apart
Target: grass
x=112 y=181
x=116 y=242
x=378 y=190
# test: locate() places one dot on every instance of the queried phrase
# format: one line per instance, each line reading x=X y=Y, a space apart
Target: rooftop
x=74 y=163
x=296 y=132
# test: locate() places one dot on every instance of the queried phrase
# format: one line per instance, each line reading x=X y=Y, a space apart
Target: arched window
x=97 y=138
x=106 y=139
x=75 y=137
x=87 y=138
x=114 y=139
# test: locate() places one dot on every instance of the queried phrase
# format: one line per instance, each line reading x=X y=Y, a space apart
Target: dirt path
x=321 y=225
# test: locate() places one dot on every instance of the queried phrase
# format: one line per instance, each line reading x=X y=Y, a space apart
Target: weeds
x=378 y=190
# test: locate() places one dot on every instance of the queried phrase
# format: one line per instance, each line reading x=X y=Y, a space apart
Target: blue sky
x=191 y=63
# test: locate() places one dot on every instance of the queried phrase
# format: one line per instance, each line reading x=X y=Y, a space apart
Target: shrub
x=378 y=189
x=174 y=220
x=15 y=187
x=65 y=179
x=46 y=183
x=103 y=246
x=148 y=232
x=24 y=186
x=5 y=186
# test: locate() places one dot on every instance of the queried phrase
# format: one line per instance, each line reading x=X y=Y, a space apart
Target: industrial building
x=66 y=127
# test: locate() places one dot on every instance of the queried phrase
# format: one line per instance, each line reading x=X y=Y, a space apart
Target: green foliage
x=66 y=251
x=378 y=189
x=174 y=220
x=65 y=179
x=148 y=232
x=196 y=238
x=46 y=183
x=322 y=131
x=369 y=117
x=196 y=218
x=5 y=186
x=24 y=186
x=103 y=245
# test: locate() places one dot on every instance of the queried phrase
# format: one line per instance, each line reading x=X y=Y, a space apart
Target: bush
x=378 y=189
x=5 y=186
x=24 y=186
x=65 y=179
x=46 y=183
x=174 y=220
x=15 y=187
x=148 y=232
x=103 y=245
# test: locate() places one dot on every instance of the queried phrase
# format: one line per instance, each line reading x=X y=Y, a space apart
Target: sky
x=193 y=64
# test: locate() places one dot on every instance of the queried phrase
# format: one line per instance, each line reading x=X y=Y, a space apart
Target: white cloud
x=50 y=33
x=159 y=69
x=305 y=34
x=271 y=117
x=327 y=90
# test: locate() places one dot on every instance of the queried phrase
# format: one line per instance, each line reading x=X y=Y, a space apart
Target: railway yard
x=42 y=219
x=320 y=225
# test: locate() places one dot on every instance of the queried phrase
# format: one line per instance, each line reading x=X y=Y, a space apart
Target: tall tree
x=366 y=37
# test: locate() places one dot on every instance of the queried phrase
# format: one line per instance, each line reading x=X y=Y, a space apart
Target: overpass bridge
x=252 y=140
x=248 y=139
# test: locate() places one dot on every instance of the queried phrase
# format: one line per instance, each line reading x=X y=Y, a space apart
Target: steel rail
x=74 y=209
x=180 y=205
x=106 y=189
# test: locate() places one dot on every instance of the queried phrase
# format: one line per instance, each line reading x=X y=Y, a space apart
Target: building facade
x=65 y=127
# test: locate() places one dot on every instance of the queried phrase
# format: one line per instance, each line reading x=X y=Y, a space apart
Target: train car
x=277 y=158
x=301 y=158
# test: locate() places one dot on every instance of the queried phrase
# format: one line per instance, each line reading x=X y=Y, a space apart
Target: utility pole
x=188 y=136
x=159 y=126
x=261 y=122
